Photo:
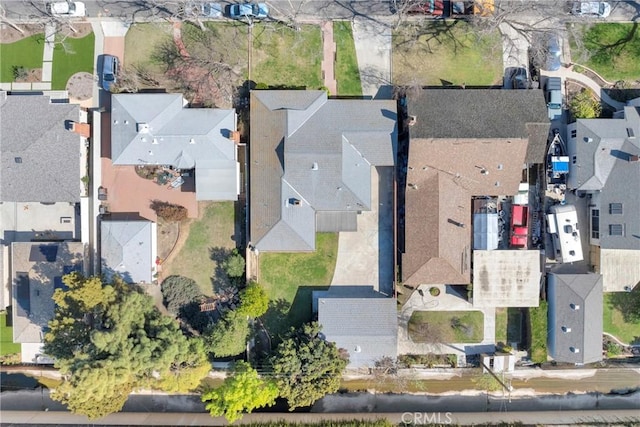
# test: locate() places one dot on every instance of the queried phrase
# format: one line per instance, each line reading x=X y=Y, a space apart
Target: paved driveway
x=365 y=257
x=373 y=50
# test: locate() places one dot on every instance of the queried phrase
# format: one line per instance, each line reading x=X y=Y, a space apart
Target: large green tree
x=306 y=366
x=228 y=337
x=254 y=300
x=109 y=338
x=242 y=392
x=178 y=291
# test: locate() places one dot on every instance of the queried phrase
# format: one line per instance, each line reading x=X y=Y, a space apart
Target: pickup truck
x=553 y=95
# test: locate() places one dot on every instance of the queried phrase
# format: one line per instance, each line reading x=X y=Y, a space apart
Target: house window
x=574 y=133
x=615 y=208
x=595 y=223
x=616 y=230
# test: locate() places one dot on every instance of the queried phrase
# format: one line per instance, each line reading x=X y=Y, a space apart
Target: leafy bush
x=254 y=301
x=613 y=349
x=19 y=72
x=429 y=360
x=584 y=106
x=228 y=337
x=178 y=291
x=234 y=264
x=168 y=211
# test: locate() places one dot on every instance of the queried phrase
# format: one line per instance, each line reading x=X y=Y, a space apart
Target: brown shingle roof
x=442 y=176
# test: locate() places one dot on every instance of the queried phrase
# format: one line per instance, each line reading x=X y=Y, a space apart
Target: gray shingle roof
x=366 y=327
x=575 y=317
x=602 y=148
x=39 y=157
x=127 y=248
x=319 y=151
x=158 y=129
x=482 y=113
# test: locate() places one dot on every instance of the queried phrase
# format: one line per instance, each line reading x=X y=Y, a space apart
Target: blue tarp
x=560 y=164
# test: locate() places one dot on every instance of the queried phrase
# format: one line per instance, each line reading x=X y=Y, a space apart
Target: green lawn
x=612 y=50
x=283 y=274
x=445 y=52
x=70 y=57
x=7 y=346
x=284 y=57
x=614 y=322
x=538 y=332
x=213 y=230
x=346 y=66
x=26 y=52
x=446 y=326
x=508 y=325
x=140 y=46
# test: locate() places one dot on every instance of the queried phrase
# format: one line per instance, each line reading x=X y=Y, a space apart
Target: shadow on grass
x=627 y=303
x=282 y=316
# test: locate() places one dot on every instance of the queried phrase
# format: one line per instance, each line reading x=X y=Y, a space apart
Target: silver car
x=600 y=9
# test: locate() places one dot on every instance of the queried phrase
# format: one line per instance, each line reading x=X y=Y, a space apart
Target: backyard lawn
x=283 y=274
x=612 y=50
x=76 y=55
x=444 y=53
x=7 y=346
x=346 y=66
x=508 y=326
x=446 y=326
x=286 y=57
x=625 y=329
x=26 y=53
x=538 y=332
x=214 y=229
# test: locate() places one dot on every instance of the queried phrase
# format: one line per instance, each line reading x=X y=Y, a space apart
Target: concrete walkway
x=328 y=58
x=568 y=73
x=515 y=47
x=373 y=50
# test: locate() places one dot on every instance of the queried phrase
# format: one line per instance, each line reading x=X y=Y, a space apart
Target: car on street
x=426 y=7
x=600 y=9
x=67 y=8
x=248 y=10
x=553 y=53
x=109 y=74
x=212 y=10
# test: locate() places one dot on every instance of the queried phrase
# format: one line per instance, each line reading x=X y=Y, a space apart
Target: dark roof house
x=575 y=317
x=158 y=129
x=39 y=155
x=310 y=163
x=464 y=143
x=604 y=163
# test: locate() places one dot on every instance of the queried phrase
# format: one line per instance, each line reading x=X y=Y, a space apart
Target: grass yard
x=538 y=333
x=75 y=56
x=140 y=46
x=443 y=53
x=287 y=57
x=26 y=53
x=614 y=322
x=346 y=66
x=283 y=274
x=508 y=326
x=446 y=326
x=7 y=346
x=214 y=229
x=612 y=50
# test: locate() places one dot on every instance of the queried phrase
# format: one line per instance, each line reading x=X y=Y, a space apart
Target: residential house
x=359 y=320
x=604 y=167
x=159 y=129
x=129 y=249
x=37 y=270
x=40 y=174
x=312 y=163
x=575 y=317
x=464 y=144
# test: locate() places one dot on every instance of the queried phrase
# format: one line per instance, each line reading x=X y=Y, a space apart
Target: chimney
x=633 y=158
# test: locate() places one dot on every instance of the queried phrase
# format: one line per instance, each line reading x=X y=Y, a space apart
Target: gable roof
x=442 y=176
x=37 y=270
x=366 y=327
x=575 y=305
x=602 y=149
x=127 y=248
x=311 y=154
x=39 y=157
x=482 y=113
x=156 y=128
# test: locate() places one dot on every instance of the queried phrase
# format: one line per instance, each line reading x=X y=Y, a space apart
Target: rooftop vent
x=294 y=202
x=414 y=186
x=192 y=141
x=142 y=127
x=314 y=166
x=574 y=350
x=18 y=159
x=411 y=120
x=155 y=141
x=566 y=330
x=484 y=172
x=500 y=166
x=588 y=139
x=574 y=306
x=357 y=349
x=630 y=133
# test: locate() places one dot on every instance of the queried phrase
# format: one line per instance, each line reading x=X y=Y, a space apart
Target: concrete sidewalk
x=373 y=50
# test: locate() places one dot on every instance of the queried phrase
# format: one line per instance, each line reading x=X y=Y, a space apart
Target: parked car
x=553 y=53
x=427 y=7
x=553 y=95
x=600 y=9
x=248 y=10
x=520 y=78
x=67 y=8
x=212 y=10
x=109 y=74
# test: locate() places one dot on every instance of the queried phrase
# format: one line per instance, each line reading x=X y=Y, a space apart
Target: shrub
x=19 y=72
x=434 y=291
x=254 y=300
x=234 y=264
x=168 y=211
x=584 y=105
x=429 y=360
x=178 y=291
x=613 y=349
